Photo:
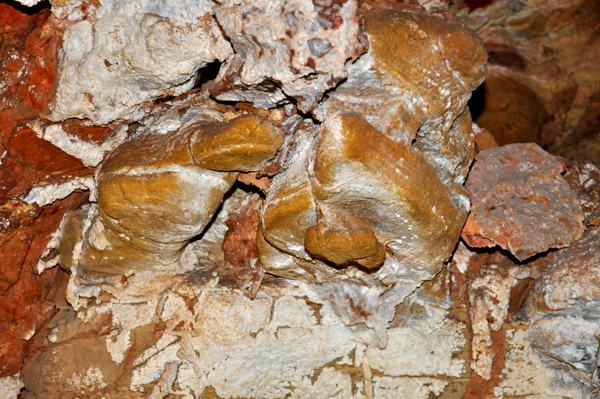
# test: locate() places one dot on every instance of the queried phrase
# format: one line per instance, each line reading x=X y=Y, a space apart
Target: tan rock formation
x=160 y=189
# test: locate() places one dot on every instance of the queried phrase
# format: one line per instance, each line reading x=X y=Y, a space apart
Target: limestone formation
x=122 y=54
x=262 y=199
x=543 y=75
x=563 y=310
x=366 y=208
x=162 y=187
x=287 y=50
x=521 y=202
x=373 y=196
x=358 y=199
x=414 y=83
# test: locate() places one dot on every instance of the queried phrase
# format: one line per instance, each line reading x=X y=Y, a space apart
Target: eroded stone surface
x=584 y=179
x=568 y=286
x=287 y=49
x=214 y=339
x=341 y=202
x=416 y=86
x=489 y=295
x=527 y=374
x=194 y=334
x=10 y=387
x=521 y=202
x=125 y=54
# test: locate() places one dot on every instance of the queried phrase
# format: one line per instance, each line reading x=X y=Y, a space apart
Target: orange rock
x=159 y=190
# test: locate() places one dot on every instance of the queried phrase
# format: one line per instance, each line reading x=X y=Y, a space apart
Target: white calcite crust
x=10 y=387
x=132 y=52
x=281 y=344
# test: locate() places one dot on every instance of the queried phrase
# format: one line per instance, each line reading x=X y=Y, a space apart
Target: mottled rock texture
x=349 y=197
x=521 y=202
x=207 y=339
x=414 y=83
x=563 y=310
x=286 y=50
x=584 y=179
x=292 y=244
x=28 y=47
x=121 y=55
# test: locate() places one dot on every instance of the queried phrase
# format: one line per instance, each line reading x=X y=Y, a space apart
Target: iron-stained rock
x=521 y=202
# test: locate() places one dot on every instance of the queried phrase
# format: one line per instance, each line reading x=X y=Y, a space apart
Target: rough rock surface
x=346 y=313
x=29 y=164
x=584 y=179
x=521 y=202
x=192 y=335
x=415 y=87
x=124 y=54
x=287 y=49
x=544 y=76
x=162 y=187
x=563 y=310
x=489 y=295
x=334 y=204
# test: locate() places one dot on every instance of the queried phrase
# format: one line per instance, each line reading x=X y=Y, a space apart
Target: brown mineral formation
x=584 y=179
x=356 y=194
x=364 y=181
x=160 y=189
x=266 y=199
x=414 y=83
x=521 y=202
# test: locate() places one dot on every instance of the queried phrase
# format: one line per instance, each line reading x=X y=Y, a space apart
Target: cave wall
x=508 y=312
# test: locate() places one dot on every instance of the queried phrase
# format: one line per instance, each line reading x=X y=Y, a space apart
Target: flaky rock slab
x=521 y=202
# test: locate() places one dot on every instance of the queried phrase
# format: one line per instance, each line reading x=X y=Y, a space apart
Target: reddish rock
x=44 y=157
x=29 y=43
x=27 y=299
x=520 y=202
x=252 y=179
x=13 y=20
x=484 y=140
x=242 y=268
x=28 y=58
x=239 y=245
x=79 y=128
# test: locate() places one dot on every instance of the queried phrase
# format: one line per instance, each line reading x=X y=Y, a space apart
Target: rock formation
x=279 y=199
x=522 y=203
